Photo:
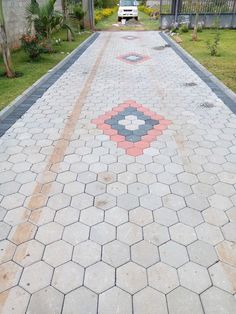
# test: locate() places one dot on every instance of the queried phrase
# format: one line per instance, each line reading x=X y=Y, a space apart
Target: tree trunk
x=64 y=5
x=194 y=35
x=6 y=54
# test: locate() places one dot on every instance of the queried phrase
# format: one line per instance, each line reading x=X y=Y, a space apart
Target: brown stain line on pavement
x=40 y=194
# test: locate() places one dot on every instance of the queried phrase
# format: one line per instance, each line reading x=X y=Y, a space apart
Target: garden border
x=10 y=114
x=220 y=89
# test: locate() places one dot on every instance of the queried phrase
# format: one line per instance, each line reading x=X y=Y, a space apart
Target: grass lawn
x=145 y=23
x=32 y=71
x=224 y=65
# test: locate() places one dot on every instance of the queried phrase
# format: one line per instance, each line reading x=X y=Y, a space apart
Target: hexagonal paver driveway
x=118 y=187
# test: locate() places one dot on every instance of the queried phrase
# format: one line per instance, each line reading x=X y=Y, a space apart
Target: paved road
x=118 y=189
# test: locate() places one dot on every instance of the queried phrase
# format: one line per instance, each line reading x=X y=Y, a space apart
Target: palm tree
x=5 y=45
x=64 y=5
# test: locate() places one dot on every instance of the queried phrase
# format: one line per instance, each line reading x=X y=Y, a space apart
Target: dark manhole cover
x=207 y=105
x=190 y=84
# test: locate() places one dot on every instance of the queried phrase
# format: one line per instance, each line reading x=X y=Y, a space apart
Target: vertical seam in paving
x=41 y=191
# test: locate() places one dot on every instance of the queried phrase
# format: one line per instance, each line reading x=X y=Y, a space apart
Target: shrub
x=32 y=45
x=147 y=10
x=103 y=13
x=184 y=28
x=214 y=45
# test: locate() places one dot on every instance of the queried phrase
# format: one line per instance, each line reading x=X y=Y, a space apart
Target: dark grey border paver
x=221 y=91
x=13 y=112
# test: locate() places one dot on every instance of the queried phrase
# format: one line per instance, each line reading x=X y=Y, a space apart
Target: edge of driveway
x=11 y=113
x=223 y=92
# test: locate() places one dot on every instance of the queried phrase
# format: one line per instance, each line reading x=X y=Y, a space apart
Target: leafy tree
x=5 y=45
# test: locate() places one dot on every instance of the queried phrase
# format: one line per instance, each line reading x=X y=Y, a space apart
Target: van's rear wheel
x=119 y=19
x=136 y=18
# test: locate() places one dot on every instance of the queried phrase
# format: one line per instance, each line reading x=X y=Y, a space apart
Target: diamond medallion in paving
x=133 y=58
x=132 y=126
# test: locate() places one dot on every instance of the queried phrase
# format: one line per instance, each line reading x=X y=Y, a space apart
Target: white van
x=128 y=9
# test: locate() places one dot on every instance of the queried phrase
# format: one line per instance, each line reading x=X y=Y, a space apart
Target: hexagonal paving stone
x=224 y=189
x=165 y=216
x=183 y=301
x=131 y=277
x=194 y=277
x=68 y=277
x=87 y=177
x=162 y=277
x=7 y=250
x=203 y=189
x=150 y=201
x=223 y=276
x=173 y=254
x=141 y=216
x=182 y=234
x=49 y=233
x=17 y=216
x=76 y=233
x=58 y=253
x=73 y=188
x=116 y=188
x=115 y=300
x=87 y=253
x=59 y=201
x=15 y=298
x=48 y=300
x=82 y=201
x=10 y=274
x=147 y=177
x=202 y=253
x=220 y=202
x=105 y=201
x=103 y=233
x=215 y=300
x=196 y=201
x=99 y=277
x=144 y=254
x=129 y=233
x=173 y=201
x=215 y=216
x=80 y=301
x=115 y=253
x=91 y=216
x=190 y=217
x=229 y=231
x=95 y=188
x=156 y=234
x=227 y=252
x=149 y=301
x=22 y=232
x=106 y=177
x=181 y=189
x=138 y=189
x=28 y=253
x=209 y=233
x=4 y=230
x=127 y=201
x=67 y=216
x=159 y=189
x=116 y=216
x=127 y=177
x=36 y=277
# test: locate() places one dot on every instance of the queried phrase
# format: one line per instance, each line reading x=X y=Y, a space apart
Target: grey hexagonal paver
x=68 y=277
x=165 y=216
x=91 y=216
x=36 y=277
x=103 y=233
x=10 y=274
x=82 y=201
x=57 y=253
x=202 y=253
x=129 y=233
x=223 y=276
x=182 y=234
x=144 y=254
x=49 y=233
x=209 y=233
x=15 y=298
x=116 y=216
x=115 y=253
x=162 y=277
x=76 y=233
x=47 y=300
x=141 y=216
x=115 y=300
x=183 y=301
x=99 y=277
x=173 y=254
x=87 y=253
x=194 y=277
x=131 y=277
x=127 y=201
x=149 y=301
x=150 y=201
x=28 y=253
x=67 y=216
x=156 y=233
x=80 y=301
x=190 y=217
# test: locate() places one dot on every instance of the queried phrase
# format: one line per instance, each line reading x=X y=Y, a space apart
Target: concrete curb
x=10 y=114
x=221 y=91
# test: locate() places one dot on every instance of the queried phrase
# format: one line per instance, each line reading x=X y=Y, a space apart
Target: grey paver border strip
x=10 y=114
x=221 y=91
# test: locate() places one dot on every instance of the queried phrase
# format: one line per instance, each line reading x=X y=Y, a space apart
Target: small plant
x=57 y=41
x=184 y=28
x=31 y=45
x=214 y=45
